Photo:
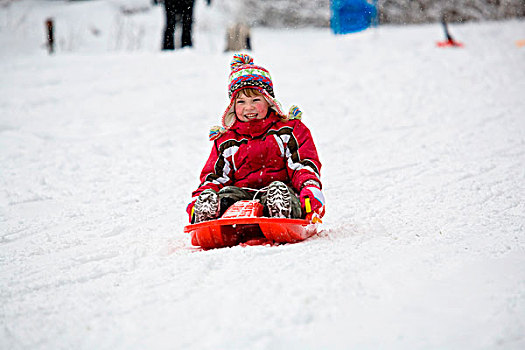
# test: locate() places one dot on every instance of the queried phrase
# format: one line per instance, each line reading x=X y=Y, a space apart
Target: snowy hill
x=423 y=152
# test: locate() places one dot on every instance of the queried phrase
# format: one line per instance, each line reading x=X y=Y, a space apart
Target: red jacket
x=256 y=153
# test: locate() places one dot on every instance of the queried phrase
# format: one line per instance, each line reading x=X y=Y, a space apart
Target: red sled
x=449 y=43
x=243 y=223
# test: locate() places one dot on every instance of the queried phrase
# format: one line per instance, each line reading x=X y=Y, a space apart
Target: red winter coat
x=254 y=154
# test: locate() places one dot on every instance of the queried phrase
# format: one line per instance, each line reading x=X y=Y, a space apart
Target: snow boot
x=278 y=200
x=207 y=206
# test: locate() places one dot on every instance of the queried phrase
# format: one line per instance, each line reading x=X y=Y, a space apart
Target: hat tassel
x=295 y=112
x=216 y=132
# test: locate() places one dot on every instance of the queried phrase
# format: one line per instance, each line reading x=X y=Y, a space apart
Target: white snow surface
x=101 y=144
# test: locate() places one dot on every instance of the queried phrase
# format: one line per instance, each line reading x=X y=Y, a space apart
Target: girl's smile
x=251 y=108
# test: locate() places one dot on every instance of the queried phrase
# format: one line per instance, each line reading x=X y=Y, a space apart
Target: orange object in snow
x=520 y=43
x=243 y=223
x=449 y=43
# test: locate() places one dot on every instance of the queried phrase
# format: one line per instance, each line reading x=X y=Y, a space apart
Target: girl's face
x=250 y=108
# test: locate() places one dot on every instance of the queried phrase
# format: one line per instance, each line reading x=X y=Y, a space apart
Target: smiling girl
x=258 y=153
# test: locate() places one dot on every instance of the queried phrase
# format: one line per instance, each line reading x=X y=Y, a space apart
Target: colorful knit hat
x=245 y=74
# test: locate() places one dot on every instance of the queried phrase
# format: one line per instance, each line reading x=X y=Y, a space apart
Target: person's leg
x=296 y=205
x=229 y=195
x=169 y=30
x=187 y=23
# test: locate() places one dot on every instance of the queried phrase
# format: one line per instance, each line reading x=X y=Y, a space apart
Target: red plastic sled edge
x=224 y=232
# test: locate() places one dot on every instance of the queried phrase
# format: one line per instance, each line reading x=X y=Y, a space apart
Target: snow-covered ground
x=423 y=153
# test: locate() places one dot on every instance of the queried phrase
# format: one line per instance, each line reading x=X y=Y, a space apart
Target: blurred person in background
x=182 y=10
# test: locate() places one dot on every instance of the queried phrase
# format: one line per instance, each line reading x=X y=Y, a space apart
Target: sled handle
x=307 y=205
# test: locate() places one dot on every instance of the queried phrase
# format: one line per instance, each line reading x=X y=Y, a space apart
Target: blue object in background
x=349 y=16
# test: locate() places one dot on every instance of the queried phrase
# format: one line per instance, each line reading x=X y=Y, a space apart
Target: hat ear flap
x=229 y=118
x=274 y=104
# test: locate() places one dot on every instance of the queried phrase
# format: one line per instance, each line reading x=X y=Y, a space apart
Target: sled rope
x=264 y=189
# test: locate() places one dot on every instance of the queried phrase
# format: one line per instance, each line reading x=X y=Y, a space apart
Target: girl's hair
x=249 y=92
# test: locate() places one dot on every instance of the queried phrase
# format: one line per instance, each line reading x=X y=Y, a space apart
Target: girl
x=259 y=153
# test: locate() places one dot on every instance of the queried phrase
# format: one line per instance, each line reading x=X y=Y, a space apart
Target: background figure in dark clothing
x=178 y=10
x=445 y=28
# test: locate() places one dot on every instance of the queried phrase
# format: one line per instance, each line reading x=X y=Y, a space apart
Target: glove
x=312 y=203
x=190 y=210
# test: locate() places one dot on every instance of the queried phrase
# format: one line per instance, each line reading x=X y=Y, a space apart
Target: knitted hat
x=245 y=74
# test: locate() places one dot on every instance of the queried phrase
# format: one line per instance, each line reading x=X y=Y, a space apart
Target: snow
x=101 y=144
